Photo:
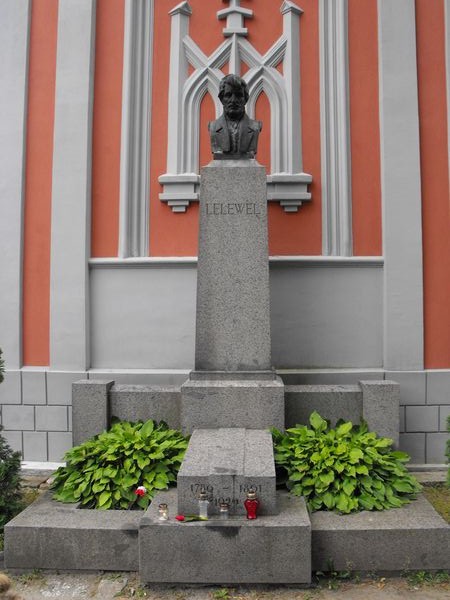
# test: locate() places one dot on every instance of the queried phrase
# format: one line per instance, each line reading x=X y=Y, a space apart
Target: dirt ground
x=102 y=586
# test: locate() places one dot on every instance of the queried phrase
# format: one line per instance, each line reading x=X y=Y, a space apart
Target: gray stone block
x=413 y=537
x=414 y=445
x=327 y=377
x=34 y=387
x=58 y=444
x=59 y=386
x=35 y=445
x=51 y=418
x=143 y=402
x=332 y=402
x=18 y=417
x=90 y=409
x=52 y=535
x=381 y=408
x=438 y=387
x=248 y=404
x=412 y=385
x=269 y=549
x=422 y=418
x=435 y=450
x=14 y=440
x=154 y=377
x=227 y=463
x=444 y=414
x=233 y=320
x=11 y=388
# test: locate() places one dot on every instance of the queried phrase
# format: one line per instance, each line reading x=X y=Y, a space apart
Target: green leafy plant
x=346 y=469
x=10 y=491
x=105 y=471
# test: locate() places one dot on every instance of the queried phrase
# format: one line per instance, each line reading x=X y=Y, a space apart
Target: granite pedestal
x=271 y=549
x=227 y=463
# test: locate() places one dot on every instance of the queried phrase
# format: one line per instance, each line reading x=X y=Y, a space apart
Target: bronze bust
x=234 y=135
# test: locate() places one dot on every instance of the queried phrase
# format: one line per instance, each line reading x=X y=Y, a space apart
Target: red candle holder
x=251 y=505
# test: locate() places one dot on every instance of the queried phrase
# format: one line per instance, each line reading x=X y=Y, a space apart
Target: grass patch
x=439 y=496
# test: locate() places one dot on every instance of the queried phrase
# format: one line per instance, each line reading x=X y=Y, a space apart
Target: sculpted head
x=233 y=93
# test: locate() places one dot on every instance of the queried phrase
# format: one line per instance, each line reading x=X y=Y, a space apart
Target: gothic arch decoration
x=286 y=183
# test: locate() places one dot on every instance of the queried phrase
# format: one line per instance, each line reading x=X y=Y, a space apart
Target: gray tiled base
x=52 y=535
x=227 y=463
x=267 y=550
x=413 y=537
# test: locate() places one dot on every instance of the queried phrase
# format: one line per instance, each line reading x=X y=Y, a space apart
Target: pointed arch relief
x=274 y=74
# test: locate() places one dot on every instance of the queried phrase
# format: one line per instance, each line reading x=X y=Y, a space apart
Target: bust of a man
x=234 y=134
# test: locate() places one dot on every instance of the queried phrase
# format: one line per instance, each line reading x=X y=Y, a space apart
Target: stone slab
x=52 y=535
x=143 y=402
x=413 y=537
x=90 y=409
x=272 y=549
x=226 y=463
x=233 y=306
x=332 y=402
x=250 y=404
x=381 y=408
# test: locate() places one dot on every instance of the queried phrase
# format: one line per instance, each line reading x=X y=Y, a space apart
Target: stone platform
x=51 y=535
x=271 y=549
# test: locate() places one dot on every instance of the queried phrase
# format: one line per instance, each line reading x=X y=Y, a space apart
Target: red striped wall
x=107 y=123
x=176 y=234
x=38 y=184
x=364 y=127
x=435 y=180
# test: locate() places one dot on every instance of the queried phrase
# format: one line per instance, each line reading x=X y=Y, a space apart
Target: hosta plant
x=105 y=471
x=346 y=469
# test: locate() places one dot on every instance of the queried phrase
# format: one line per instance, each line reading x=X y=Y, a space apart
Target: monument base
x=235 y=401
x=271 y=549
x=226 y=464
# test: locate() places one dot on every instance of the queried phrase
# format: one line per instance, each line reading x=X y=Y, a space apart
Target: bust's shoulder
x=216 y=125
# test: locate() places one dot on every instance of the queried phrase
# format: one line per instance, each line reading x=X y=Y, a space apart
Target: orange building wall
x=435 y=181
x=38 y=183
x=176 y=234
x=364 y=127
x=107 y=123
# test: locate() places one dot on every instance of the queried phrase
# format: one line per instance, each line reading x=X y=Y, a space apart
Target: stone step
x=227 y=463
x=270 y=549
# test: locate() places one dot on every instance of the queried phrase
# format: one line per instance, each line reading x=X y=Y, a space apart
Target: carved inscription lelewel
x=232 y=208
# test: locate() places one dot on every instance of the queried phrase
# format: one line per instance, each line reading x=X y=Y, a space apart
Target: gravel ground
x=67 y=586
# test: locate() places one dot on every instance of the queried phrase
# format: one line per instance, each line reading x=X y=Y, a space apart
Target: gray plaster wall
x=323 y=314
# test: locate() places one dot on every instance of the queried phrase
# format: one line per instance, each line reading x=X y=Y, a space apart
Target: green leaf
x=104 y=498
x=317 y=423
x=344 y=429
x=147 y=428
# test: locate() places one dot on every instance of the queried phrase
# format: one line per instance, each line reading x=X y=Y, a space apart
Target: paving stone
x=227 y=463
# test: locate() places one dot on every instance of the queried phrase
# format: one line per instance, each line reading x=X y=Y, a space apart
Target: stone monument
x=233 y=384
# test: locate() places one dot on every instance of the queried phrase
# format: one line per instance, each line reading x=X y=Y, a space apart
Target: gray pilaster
x=71 y=192
x=14 y=40
x=401 y=186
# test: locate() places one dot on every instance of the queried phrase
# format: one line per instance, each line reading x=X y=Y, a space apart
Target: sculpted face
x=233 y=100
